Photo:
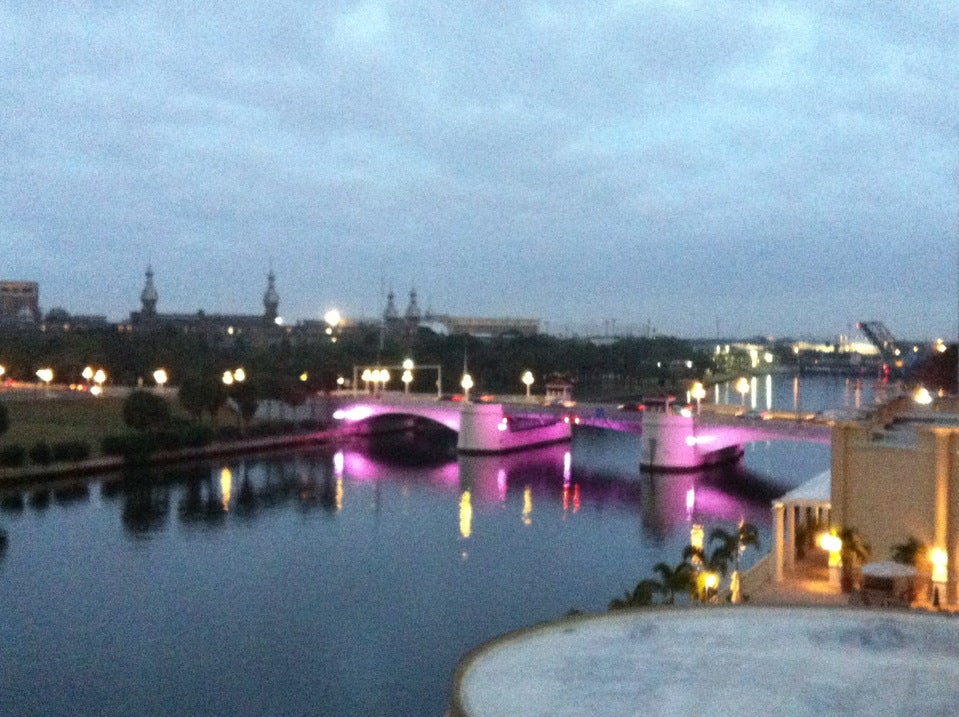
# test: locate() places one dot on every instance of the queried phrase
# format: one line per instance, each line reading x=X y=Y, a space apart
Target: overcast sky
x=780 y=168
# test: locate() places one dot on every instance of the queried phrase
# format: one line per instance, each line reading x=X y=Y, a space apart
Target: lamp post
x=160 y=377
x=466 y=383
x=528 y=379
x=99 y=378
x=45 y=375
x=407 y=378
x=698 y=392
x=742 y=385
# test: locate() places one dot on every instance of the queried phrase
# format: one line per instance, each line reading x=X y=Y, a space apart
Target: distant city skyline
x=773 y=168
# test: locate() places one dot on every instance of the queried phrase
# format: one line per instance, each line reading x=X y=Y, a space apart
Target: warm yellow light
x=466 y=382
x=742 y=385
x=45 y=375
x=87 y=373
x=768 y=357
x=226 y=487
x=100 y=376
x=239 y=375
x=832 y=544
x=160 y=376
x=227 y=378
x=304 y=376
x=367 y=375
x=466 y=515
x=408 y=364
x=696 y=535
x=711 y=581
x=527 y=505
x=96 y=390
x=922 y=396
x=407 y=376
x=940 y=560
x=698 y=391
x=528 y=378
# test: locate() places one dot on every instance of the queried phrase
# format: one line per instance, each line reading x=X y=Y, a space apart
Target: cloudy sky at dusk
x=780 y=168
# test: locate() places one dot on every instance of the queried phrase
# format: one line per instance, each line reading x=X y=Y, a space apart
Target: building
x=894 y=477
x=19 y=302
x=265 y=328
x=405 y=325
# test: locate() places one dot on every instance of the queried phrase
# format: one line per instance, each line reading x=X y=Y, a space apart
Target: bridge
x=669 y=440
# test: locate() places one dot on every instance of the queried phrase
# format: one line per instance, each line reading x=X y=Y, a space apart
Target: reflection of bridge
x=670 y=441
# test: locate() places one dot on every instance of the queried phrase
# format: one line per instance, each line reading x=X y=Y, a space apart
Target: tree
x=199 y=394
x=908 y=552
x=730 y=546
x=678 y=579
x=855 y=551
x=641 y=596
x=245 y=396
x=145 y=411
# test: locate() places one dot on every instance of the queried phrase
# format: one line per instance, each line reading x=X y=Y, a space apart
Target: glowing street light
x=99 y=378
x=922 y=396
x=407 y=379
x=160 y=377
x=742 y=385
x=528 y=379
x=45 y=375
x=698 y=392
x=466 y=383
x=235 y=376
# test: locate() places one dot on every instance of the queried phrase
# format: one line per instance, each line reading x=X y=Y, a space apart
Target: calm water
x=328 y=582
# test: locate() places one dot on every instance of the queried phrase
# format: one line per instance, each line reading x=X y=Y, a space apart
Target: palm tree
x=729 y=548
x=680 y=578
x=641 y=596
x=855 y=552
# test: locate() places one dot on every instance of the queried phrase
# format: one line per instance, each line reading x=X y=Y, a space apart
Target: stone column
x=791 y=539
x=778 y=510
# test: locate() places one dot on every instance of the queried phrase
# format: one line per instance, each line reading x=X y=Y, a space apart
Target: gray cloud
x=784 y=167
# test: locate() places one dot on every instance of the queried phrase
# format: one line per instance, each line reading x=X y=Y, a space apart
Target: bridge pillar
x=484 y=428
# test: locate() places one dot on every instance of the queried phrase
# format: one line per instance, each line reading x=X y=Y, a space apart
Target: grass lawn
x=76 y=418
x=72 y=417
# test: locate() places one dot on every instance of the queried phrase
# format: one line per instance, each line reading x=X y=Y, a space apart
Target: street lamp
x=235 y=376
x=407 y=379
x=160 y=377
x=742 y=385
x=45 y=375
x=528 y=379
x=698 y=392
x=466 y=383
x=99 y=378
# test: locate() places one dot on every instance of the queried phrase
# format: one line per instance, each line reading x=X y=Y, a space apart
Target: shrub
x=13 y=456
x=70 y=451
x=41 y=454
x=145 y=411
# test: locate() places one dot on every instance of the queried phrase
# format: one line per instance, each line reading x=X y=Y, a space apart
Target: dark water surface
x=330 y=583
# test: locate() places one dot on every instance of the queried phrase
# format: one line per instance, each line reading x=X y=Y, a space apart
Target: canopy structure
x=807 y=504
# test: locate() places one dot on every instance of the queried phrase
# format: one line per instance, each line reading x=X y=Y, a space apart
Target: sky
x=693 y=167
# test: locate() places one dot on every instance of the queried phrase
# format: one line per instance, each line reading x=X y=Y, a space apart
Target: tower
x=271 y=300
x=149 y=296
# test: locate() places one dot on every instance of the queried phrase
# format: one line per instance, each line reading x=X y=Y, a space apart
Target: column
x=791 y=539
x=778 y=510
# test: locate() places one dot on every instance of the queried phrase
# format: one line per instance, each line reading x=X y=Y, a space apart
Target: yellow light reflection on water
x=226 y=486
x=339 y=494
x=527 y=505
x=466 y=514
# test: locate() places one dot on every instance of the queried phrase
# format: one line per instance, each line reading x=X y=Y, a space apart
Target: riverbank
x=56 y=471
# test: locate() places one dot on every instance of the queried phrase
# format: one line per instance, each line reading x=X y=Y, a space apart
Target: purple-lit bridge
x=670 y=441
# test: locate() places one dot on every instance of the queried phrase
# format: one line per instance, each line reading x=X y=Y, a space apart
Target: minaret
x=390 y=314
x=413 y=314
x=271 y=300
x=149 y=297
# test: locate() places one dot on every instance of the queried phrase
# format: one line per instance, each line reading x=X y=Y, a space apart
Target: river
x=341 y=580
